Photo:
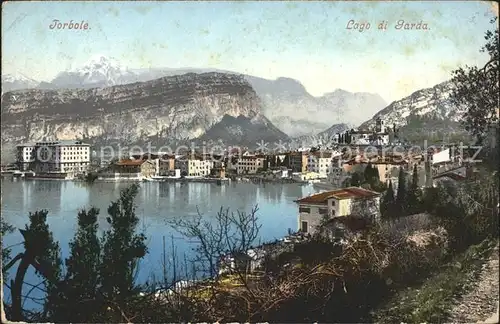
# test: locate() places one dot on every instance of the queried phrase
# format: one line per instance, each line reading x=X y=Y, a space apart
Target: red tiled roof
x=321 y=154
x=344 y=193
x=129 y=162
x=252 y=157
x=145 y=156
x=451 y=175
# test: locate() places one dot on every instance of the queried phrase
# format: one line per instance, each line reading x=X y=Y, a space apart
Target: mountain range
x=11 y=82
x=433 y=102
x=103 y=101
x=285 y=101
x=165 y=110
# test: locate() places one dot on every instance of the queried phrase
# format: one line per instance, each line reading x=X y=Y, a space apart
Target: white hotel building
x=64 y=157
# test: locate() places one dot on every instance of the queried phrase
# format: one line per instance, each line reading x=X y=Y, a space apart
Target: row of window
x=321 y=210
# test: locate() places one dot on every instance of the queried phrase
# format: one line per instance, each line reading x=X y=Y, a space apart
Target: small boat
x=18 y=174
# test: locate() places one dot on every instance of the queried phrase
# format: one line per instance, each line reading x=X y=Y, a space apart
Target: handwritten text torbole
x=56 y=24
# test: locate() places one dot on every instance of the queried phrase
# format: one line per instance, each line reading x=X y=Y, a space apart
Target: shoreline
x=252 y=179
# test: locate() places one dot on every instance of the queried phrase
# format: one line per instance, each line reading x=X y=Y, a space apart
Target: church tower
x=379 y=125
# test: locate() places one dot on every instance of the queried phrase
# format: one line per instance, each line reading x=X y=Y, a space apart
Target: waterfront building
x=218 y=172
x=250 y=164
x=166 y=165
x=65 y=158
x=297 y=161
x=129 y=169
x=320 y=162
x=25 y=156
x=194 y=166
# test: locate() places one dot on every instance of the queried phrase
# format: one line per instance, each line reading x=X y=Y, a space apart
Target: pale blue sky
x=307 y=41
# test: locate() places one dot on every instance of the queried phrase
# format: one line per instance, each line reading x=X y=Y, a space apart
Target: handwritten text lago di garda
x=56 y=24
x=400 y=25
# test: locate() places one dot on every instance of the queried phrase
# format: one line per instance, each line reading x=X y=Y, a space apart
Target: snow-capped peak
x=17 y=81
x=99 y=62
x=18 y=77
x=98 y=71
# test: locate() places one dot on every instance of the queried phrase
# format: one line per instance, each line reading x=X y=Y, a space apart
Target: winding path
x=480 y=303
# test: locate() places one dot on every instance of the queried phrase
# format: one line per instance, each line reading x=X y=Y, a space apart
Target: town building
x=166 y=165
x=194 y=166
x=376 y=136
x=360 y=137
x=250 y=164
x=129 y=169
x=218 y=172
x=305 y=176
x=320 y=162
x=297 y=161
x=344 y=229
x=231 y=163
x=455 y=175
x=352 y=201
x=152 y=157
x=63 y=158
x=25 y=156
x=339 y=173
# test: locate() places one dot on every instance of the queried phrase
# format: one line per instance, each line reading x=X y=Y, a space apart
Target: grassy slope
x=433 y=300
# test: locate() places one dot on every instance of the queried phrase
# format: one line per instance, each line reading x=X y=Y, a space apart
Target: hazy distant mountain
x=352 y=108
x=296 y=112
x=334 y=129
x=323 y=138
x=298 y=127
x=19 y=81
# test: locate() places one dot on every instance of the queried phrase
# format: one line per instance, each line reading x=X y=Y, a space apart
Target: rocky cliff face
x=246 y=132
x=285 y=101
x=431 y=103
x=171 y=108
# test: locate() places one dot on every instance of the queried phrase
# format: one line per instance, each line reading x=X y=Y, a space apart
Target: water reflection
x=157 y=205
x=272 y=192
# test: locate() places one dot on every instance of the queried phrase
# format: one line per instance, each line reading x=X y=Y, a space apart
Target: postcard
x=249 y=161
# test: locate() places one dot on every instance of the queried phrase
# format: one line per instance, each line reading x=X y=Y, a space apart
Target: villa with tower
x=377 y=136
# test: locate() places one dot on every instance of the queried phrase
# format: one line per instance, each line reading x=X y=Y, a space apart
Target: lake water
x=157 y=204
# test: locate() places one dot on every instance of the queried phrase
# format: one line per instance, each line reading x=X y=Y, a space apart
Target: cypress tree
x=371 y=175
x=376 y=175
x=356 y=179
x=121 y=248
x=387 y=205
x=286 y=161
x=82 y=277
x=272 y=163
x=368 y=172
x=414 y=193
x=402 y=193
